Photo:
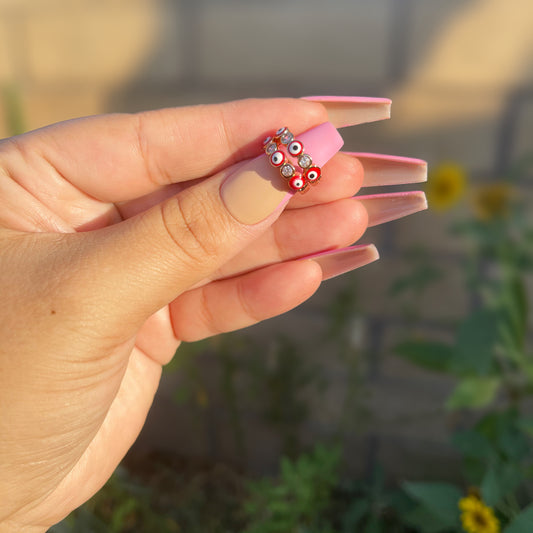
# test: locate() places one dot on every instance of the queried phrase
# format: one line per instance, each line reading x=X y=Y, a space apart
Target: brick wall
x=461 y=78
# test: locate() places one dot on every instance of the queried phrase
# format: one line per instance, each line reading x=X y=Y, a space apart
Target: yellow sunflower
x=493 y=201
x=476 y=517
x=446 y=185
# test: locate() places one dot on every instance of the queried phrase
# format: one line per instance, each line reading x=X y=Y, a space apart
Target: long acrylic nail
x=257 y=190
x=337 y=262
x=346 y=111
x=383 y=208
x=390 y=169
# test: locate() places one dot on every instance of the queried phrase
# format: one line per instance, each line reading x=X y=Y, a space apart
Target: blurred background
x=360 y=364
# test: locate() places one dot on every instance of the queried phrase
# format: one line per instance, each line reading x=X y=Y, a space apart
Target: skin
x=114 y=247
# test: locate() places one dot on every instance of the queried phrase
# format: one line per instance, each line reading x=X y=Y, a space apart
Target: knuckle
x=195 y=226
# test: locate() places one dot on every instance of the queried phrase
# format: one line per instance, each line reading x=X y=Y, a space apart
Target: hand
x=115 y=244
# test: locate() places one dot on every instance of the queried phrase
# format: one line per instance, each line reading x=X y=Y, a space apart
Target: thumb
x=148 y=260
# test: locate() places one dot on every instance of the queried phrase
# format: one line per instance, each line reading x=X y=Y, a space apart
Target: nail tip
x=374 y=252
x=341 y=261
x=384 y=169
x=349 y=99
x=345 y=111
x=388 y=207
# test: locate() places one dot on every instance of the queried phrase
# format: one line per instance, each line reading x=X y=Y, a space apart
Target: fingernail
x=337 y=262
x=346 y=111
x=390 y=169
x=257 y=190
x=383 y=208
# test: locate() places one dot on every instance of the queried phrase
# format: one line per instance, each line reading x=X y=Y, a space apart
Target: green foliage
x=438 y=502
x=431 y=355
x=475 y=343
x=122 y=506
x=371 y=506
x=299 y=501
x=474 y=392
x=522 y=523
x=493 y=367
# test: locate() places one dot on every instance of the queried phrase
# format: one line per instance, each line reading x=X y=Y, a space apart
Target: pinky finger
x=235 y=303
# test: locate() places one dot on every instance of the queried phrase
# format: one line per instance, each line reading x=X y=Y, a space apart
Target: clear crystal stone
x=305 y=161
x=286 y=137
x=270 y=148
x=287 y=171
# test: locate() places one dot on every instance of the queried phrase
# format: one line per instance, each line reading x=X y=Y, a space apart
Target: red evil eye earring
x=287 y=153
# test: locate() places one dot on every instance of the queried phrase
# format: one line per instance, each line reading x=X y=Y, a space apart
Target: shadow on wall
x=210 y=52
x=448 y=75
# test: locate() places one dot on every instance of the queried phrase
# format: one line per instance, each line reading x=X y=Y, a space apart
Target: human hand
x=114 y=248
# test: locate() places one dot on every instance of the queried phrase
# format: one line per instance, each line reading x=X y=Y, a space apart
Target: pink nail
x=336 y=262
x=346 y=111
x=256 y=189
x=390 y=169
x=383 y=208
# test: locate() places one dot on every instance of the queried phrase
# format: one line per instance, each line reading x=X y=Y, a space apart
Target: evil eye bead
x=267 y=140
x=313 y=174
x=280 y=131
x=277 y=158
x=295 y=148
x=297 y=183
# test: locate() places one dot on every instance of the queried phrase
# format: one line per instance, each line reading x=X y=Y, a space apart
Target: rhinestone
x=305 y=161
x=287 y=171
x=270 y=148
x=286 y=137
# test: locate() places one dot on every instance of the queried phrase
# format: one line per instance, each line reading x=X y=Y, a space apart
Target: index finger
x=121 y=157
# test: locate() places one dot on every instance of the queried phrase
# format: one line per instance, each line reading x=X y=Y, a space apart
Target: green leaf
x=499 y=481
x=491 y=489
x=513 y=322
x=430 y=355
x=475 y=342
x=523 y=522
x=424 y=521
x=121 y=513
x=474 y=392
x=374 y=526
x=439 y=499
x=519 y=307
x=504 y=431
x=354 y=515
x=526 y=425
x=472 y=444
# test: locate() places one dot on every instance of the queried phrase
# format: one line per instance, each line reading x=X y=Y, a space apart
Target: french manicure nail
x=382 y=169
x=256 y=189
x=336 y=262
x=346 y=111
x=383 y=208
